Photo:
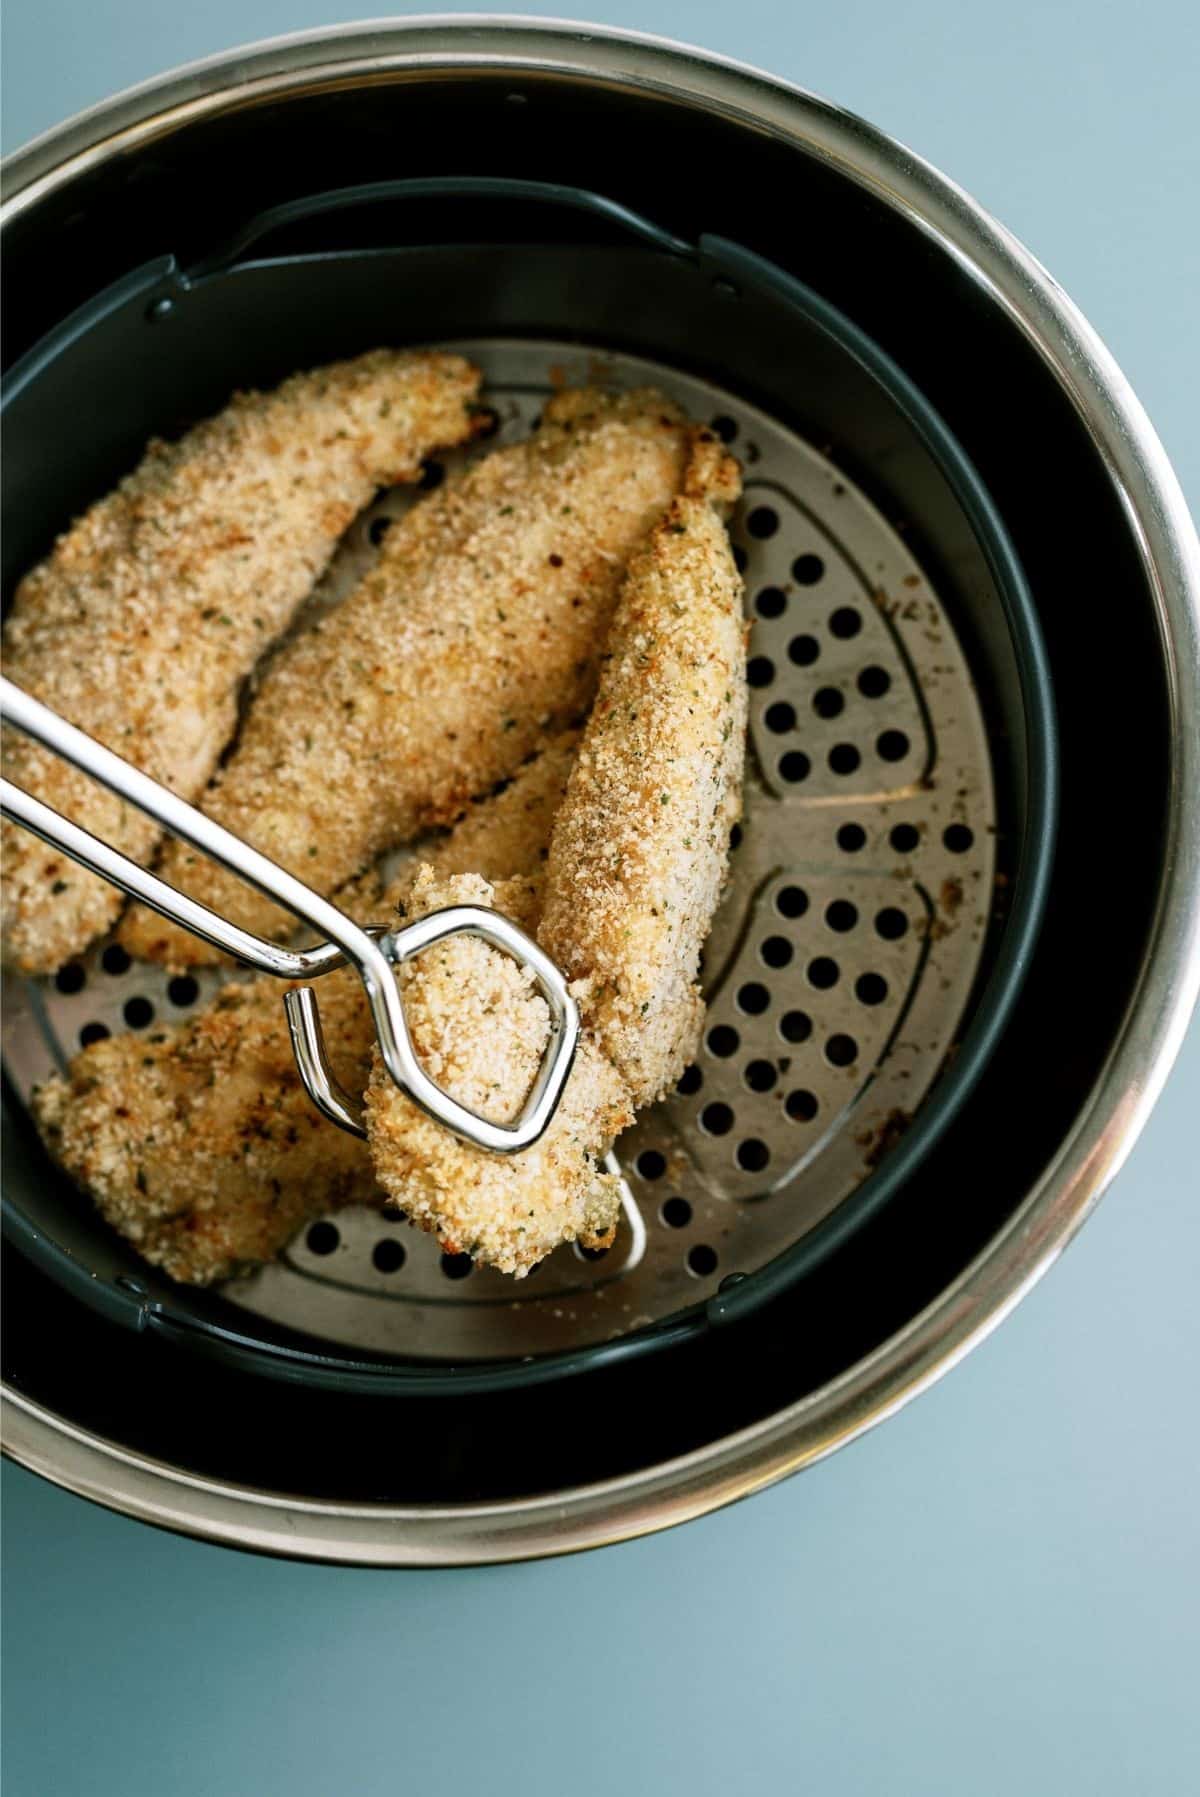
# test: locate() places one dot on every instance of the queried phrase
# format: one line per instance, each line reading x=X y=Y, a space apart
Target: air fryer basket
x=859 y=327
x=859 y=917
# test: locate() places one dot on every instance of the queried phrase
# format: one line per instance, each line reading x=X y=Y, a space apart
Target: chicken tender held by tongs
x=199 y=1144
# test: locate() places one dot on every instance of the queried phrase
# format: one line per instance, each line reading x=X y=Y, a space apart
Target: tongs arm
x=343 y=940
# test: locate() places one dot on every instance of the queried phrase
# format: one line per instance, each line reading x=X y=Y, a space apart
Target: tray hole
x=183 y=990
x=70 y=978
x=905 y=838
x=845 y=622
x=873 y=682
x=138 y=1012
x=752 y=1155
x=676 y=1213
x=323 y=1238
x=803 y=650
x=823 y=972
x=388 y=1256
x=828 y=702
x=651 y=1164
x=892 y=745
x=841 y=1051
x=760 y=670
x=791 y=901
x=591 y=1254
x=93 y=1032
x=801 y=1106
x=794 y=767
x=808 y=569
x=753 y=998
x=870 y=988
x=771 y=603
x=796 y=1026
x=761 y=1075
x=958 y=838
x=702 y=1260
x=891 y=923
x=115 y=959
x=844 y=758
x=717 y=1119
x=776 y=951
x=723 y=1040
x=762 y=522
x=851 y=838
x=456 y=1266
x=841 y=915
x=689 y=1081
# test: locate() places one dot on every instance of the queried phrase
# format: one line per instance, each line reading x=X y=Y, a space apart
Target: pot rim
x=1155 y=1023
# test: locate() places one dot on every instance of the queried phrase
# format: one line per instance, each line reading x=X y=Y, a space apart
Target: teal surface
x=999 y=1591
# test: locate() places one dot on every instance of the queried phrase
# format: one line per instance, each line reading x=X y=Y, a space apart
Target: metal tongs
x=375 y=952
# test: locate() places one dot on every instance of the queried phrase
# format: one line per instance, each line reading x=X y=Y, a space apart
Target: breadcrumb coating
x=480 y=1028
x=639 y=852
x=199 y=1144
x=477 y=632
x=153 y=608
x=637 y=861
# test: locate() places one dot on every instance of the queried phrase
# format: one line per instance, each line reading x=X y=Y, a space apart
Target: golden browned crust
x=640 y=846
x=199 y=1144
x=154 y=606
x=480 y=1029
x=478 y=631
x=637 y=860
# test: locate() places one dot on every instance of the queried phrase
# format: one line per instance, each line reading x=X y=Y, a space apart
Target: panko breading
x=151 y=610
x=199 y=1144
x=640 y=847
x=480 y=1028
x=478 y=630
x=637 y=860
x=502 y=836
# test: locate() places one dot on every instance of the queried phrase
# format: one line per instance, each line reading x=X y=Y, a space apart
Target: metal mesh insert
x=839 y=966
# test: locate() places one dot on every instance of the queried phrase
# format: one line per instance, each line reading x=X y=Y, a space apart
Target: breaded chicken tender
x=640 y=849
x=153 y=608
x=480 y=1028
x=199 y=1144
x=637 y=860
x=478 y=630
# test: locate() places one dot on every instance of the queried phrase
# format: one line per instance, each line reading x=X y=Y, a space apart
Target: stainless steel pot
x=853 y=182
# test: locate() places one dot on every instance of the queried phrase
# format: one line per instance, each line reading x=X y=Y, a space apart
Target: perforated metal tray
x=839 y=968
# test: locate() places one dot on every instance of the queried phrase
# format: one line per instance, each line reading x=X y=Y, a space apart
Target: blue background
x=999 y=1591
